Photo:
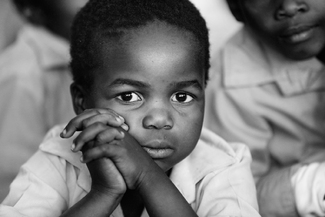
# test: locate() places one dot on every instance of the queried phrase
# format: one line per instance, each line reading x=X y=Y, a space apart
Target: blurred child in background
x=268 y=92
x=34 y=84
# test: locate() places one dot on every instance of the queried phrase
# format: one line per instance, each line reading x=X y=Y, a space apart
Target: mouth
x=297 y=34
x=158 y=149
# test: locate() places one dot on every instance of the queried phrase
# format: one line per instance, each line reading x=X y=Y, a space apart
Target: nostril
x=167 y=127
x=291 y=9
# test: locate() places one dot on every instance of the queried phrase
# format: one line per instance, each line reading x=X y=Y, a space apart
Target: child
x=148 y=61
x=269 y=93
x=34 y=87
x=56 y=15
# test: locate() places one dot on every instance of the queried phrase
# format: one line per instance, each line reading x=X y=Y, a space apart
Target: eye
x=182 y=98
x=129 y=97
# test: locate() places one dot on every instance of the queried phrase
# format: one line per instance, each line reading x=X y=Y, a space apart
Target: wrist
x=104 y=193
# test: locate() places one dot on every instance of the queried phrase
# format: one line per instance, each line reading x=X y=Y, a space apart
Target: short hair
x=116 y=16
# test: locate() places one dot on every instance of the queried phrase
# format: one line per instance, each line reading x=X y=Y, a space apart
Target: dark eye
x=182 y=98
x=129 y=97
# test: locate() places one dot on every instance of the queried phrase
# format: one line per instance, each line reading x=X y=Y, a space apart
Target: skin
x=154 y=79
x=295 y=28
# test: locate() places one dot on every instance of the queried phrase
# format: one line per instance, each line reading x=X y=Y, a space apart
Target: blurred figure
x=268 y=92
x=221 y=23
x=34 y=79
x=56 y=15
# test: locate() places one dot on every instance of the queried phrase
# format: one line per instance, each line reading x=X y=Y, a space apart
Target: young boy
x=269 y=93
x=148 y=61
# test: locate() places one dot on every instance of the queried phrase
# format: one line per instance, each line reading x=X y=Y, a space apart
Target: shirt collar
x=248 y=62
x=211 y=153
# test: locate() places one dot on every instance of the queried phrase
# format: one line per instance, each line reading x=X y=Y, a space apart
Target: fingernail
x=73 y=146
x=120 y=119
x=125 y=127
x=64 y=132
x=82 y=159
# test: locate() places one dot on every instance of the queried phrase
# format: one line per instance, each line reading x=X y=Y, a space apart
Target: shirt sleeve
x=309 y=189
x=229 y=191
x=39 y=190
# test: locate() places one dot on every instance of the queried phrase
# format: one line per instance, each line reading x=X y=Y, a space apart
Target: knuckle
x=98 y=125
x=84 y=123
x=100 y=138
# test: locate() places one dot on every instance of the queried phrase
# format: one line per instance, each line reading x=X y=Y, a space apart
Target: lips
x=158 y=149
x=297 y=34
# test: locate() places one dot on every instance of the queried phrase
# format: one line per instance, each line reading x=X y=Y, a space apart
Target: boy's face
x=155 y=80
x=296 y=28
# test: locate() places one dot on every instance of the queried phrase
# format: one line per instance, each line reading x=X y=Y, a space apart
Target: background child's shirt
x=272 y=104
x=215 y=179
x=34 y=96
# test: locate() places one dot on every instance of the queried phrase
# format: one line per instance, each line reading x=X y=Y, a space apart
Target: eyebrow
x=125 y=81
x=191 y=83
x=179 y=85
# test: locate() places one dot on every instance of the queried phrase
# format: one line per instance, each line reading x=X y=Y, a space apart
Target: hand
x=106 y=179
x=102 y=138
x=128 y=156
x=105 y=176
x=91 y=122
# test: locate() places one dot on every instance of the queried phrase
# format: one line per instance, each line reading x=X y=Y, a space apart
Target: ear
x=78 y=98
x=234 y=6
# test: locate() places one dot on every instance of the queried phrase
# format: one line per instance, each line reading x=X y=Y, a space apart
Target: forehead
x=151 y=41
x=152 y=51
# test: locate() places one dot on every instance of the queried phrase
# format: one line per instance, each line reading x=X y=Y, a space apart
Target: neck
x=10 y=23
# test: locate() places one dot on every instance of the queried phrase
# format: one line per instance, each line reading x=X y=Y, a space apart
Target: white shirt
x=276 y=107
x=215 y=179
x=34 y=96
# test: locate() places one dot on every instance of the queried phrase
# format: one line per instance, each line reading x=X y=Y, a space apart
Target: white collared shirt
x=272 y=104
x=215 y=179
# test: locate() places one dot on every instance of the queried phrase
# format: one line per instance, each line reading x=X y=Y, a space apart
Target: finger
x=105 y=118
x=98 y=152
x=103 y=138
x=108 y=135
x=77 y=123
x=92 y=132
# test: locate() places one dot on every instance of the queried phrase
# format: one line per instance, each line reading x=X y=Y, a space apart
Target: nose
x=158 y=118
x=290 y=8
